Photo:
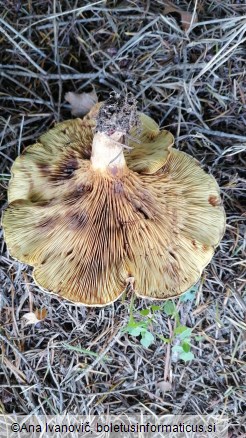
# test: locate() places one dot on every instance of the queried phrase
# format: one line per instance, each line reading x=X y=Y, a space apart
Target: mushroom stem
x=114 y=121
x=107 y=151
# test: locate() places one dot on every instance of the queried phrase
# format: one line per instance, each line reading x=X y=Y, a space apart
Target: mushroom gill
x=88 y=213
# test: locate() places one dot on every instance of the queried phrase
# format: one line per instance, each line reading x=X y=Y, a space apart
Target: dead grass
x=193 y=83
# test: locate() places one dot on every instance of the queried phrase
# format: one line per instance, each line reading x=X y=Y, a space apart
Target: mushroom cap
x=86 y=232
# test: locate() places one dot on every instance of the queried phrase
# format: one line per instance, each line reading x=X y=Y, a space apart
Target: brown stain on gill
x=214 y=201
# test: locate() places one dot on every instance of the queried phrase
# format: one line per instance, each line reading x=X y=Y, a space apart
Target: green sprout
x=139 y=325
x=136 y=327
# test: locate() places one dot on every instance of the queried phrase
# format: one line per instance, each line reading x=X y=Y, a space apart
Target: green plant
x=181 y=338
x=139 y=325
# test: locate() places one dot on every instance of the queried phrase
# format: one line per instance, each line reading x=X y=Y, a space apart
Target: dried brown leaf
x=82 y=103
x=41 y=313
x=34 y=317
x=164 y=386
x=187 y=18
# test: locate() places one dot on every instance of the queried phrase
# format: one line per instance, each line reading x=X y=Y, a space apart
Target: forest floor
x=187 y=71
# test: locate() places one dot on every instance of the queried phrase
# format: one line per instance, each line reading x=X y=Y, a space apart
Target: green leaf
x=199 y=338
x=81 y=350
x=177 y=349
x=180 y=329
x=129 y=326
x=132 y=322
x=169 y=308
x=154 y=308
x=135 y=331
x=183 y=332
x=166 y=340
x=186 y=347
x=186 y=356
x=144 y=312
x=190 y=294
x=147 y=339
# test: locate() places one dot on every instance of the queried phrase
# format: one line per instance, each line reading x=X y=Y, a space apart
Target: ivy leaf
x=190 y=294
x=154 y=308
x=186 y=356
x=177 y=349
x=135 y=331
x=131 y=324
x=169 y=308
x=183 y=332
x=180 y=329
x=186 y=347
x=147 y=339
x=144 y=312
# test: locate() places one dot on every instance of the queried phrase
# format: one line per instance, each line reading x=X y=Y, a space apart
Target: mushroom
x=104 y=198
